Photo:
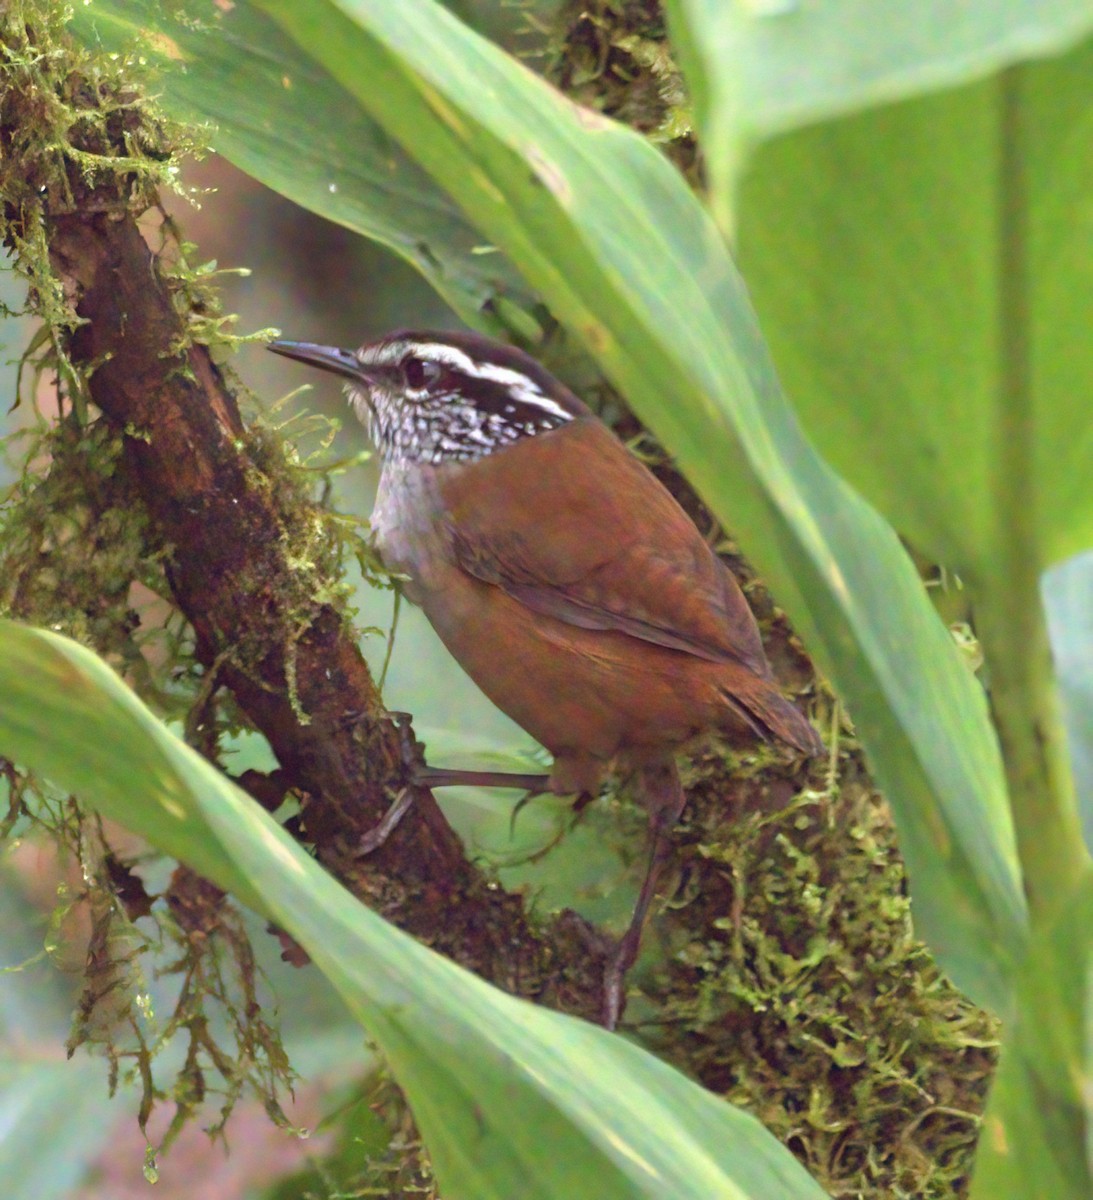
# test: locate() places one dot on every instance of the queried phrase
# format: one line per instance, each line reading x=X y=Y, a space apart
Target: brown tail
x=773 y=718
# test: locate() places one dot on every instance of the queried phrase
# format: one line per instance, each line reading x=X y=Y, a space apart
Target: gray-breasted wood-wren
x=559 y=572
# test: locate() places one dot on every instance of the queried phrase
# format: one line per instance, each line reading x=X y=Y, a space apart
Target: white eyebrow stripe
x=387 y=354
x=526 y=390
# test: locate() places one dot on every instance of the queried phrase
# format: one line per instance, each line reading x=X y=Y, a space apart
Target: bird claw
x=412 y=754
x=614 y=955
x=411 y=751
x=380 y=832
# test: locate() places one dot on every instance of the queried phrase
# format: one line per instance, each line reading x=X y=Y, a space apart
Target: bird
x=560 y=573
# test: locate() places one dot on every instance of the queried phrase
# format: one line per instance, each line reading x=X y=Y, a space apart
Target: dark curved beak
x=328 y=358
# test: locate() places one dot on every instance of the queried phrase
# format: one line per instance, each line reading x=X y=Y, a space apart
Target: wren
x=560 y=573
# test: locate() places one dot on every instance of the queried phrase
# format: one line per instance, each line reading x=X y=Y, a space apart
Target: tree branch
x=231 y=574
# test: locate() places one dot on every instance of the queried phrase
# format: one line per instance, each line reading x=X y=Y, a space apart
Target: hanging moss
x=79 y=555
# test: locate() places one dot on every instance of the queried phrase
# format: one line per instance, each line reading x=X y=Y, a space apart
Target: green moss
x=612 y=55
x=811 y=1003
x=78 y=554
x=376 y=1152
x=72 y=539
x=73 y=536
x=73 y=122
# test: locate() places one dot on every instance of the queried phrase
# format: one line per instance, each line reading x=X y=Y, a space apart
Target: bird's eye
x=419 y=373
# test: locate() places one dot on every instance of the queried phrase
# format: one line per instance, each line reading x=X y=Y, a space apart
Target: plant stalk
x=1010 y=618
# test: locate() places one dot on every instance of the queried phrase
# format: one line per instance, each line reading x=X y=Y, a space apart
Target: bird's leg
x=662 y=794
x=424 y=776
x=410 y=752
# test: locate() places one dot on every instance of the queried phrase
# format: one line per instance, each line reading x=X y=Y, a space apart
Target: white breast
x=408 y=525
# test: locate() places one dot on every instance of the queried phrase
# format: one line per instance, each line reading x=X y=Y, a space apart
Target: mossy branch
x=264 y=616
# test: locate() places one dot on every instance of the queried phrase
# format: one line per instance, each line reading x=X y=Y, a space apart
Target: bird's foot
x=412 y=755
x=387 y=824
x=619 y=960
x=421 y=775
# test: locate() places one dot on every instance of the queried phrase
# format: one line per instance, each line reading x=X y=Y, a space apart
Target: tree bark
x=307 y=689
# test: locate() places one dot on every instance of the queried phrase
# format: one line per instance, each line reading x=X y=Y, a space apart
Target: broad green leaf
x=920 y=270
x=281 y=118
x=511 y=1100
x=54 y=1122
x=628 y=258
x=1038 y=1130
x=761 y=68
x=902 y=320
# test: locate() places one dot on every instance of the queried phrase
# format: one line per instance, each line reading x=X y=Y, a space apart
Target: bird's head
x=432 y=397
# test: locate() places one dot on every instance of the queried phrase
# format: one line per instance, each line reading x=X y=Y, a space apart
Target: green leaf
x=762 y=68
x=628 y=258
x=920 y=271
x=54 y=1122
x=282 y=119
x=895 y=309
x=1038 y=1130
x=511 y=1100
